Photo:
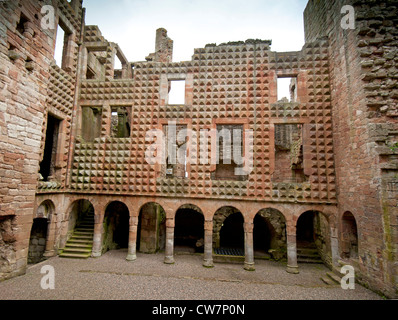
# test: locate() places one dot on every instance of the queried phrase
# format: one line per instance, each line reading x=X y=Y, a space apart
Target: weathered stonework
x=78 y=131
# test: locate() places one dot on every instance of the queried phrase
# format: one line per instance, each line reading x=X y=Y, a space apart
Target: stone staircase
x=80 y=244
x=333 y=277
x=308 y=253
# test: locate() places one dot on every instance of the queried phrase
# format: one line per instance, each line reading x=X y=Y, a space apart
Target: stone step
x=308 y=255
x=336 y=270
x=87 y=242
x=86 y=225
x=307 y=250
x=83 y=228
x=75 y=255
x=331 y=279
x=76 y=250
x=79 y=245
x=308 y=260
x=328 y=281
x=83 y=233
x=334 y=277
x=82 y=236
x=312 y=257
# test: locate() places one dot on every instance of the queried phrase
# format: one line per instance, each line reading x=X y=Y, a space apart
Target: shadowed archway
x=115 y=227
x=189 y=229
x=228 y=232
x=269 y=234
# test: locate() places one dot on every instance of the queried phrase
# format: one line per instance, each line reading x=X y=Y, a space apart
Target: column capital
x=170 y=222
x=98 y=218
x=248 y=226
x=208 y=225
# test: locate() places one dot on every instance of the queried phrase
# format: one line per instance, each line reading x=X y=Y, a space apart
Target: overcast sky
x=194 y=23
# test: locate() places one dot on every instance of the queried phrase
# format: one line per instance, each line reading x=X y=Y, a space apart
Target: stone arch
x=151 y=229
x=189 y=228
x=39 y=232
x=349 y=236
x=78 y=210
x=46 y=209
x=235 y=224
x=38 y=240
x=269 y=234
x=116 y=226
x=313 y=236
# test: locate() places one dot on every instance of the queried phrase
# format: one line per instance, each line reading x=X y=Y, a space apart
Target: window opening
x=287 y=89
x=177 y=92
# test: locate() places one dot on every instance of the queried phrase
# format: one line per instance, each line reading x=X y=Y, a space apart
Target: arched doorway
x=313 y=238
x=151 y=231
x=269 y=234
x=189 y=229
x=349 y=234
x=39 y=232
x=228 y=232
x=115 y=227
x=37 y=241
x=80 y=232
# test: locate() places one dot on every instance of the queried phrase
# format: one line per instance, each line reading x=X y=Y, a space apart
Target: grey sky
x=194 y=23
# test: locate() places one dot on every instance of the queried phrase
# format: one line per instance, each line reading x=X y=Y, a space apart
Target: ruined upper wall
x=231 y=83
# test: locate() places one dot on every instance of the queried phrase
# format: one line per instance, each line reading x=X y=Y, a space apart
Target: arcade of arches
x=231 y=230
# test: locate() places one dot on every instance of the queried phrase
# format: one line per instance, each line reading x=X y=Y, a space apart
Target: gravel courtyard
x=111 y=277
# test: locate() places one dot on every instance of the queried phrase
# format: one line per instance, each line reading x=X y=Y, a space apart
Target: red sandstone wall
x=230 y=83
x=364 y=99
x=29 y=88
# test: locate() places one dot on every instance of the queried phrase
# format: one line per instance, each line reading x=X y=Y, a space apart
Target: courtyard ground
x=111 y=277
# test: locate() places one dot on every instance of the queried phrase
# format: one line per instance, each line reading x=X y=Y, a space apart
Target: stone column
x=208 y=250
x=132 y=248
x=249 y=254
x=169 y=251
x=292 y=266
x=50 y=241
x=97 y=240
x=124 y=71
x=334 y=243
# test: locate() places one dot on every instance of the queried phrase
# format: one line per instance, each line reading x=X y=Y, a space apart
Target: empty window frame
x=176 y=92
x=287 y=89
x=62 y=46
x=48 y=164
x=176 y=148
x=288 y=153
x=91 y=123
x=120 y=122
x=95 y=67
x=118 y=68
x=229 y=152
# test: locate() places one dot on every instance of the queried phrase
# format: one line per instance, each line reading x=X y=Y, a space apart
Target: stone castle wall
x=330 y=149
x=31 y=86
x=364 y=87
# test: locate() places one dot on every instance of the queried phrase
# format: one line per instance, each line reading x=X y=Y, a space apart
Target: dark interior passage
x=189 y=229
x=37 y=241
x=232 y=233
x=261 y=234
x=349 y=243
x=47 y=165
x=116 y=226
x=305 y=228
